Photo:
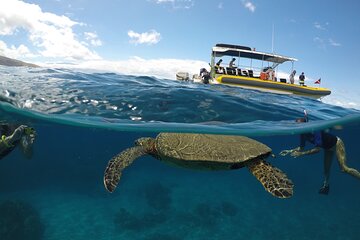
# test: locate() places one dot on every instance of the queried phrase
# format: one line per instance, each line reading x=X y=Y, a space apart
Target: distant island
x=5 y=61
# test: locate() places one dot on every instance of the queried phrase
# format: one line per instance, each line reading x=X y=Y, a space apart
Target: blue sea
x=83 y=118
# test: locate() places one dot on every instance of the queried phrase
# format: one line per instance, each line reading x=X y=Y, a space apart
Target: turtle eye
x=139 y=142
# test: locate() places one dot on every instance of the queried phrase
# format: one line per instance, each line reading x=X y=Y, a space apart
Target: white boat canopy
x=245 y=52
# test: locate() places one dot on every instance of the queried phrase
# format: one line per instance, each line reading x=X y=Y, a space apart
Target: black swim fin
x=324 y=190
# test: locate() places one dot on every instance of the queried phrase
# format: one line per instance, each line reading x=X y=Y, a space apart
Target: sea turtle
x=207 y=152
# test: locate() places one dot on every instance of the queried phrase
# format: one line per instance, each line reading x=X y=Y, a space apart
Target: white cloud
x=161 y=68
x=176 y=4
x=150 y=37
x=249 y=5
x=15 y=52
x=321 y=26
x=323 y=43
x=333 y=43
x=164 y=1
x=52 y=34
x=343 y=98
x=221 y=5
x=318 y=39
x=93 y=39
x=320 y=42
x=318 y=26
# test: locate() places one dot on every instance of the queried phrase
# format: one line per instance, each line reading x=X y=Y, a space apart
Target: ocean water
x=82 y=119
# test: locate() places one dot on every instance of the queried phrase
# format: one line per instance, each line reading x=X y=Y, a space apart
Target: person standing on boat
x=270 y=74
x=292 y=77
x=302 y=79
x=218 y=68
x=331 y=144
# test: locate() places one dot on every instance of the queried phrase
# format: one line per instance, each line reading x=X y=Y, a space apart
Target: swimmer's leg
x=328 y=157
x=341 y=157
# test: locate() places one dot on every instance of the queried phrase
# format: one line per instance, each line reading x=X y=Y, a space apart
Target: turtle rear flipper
x=273 y=179
x=117 y=164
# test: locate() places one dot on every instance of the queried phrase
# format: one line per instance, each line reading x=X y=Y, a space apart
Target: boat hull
x=272 y=86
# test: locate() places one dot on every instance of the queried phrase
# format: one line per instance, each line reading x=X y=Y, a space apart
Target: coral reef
x=19 y=221
x=158 y=220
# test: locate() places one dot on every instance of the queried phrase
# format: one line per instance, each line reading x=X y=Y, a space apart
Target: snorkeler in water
x=331 y=144
x=13 y=135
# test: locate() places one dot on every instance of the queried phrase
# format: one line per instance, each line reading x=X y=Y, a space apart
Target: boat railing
x=240 y=70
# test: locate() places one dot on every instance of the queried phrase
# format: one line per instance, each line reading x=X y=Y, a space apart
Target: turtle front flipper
x=273 y=179
x=117 y=164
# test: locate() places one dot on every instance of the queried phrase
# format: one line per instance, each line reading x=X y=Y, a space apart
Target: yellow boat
x=250 y=76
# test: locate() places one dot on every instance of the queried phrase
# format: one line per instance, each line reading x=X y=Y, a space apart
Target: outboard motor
x=182 y=76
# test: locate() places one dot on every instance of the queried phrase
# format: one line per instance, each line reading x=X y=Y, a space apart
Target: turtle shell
x=217 y=150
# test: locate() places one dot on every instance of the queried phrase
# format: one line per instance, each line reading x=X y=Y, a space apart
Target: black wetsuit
x=319 y=139
x=7 y=130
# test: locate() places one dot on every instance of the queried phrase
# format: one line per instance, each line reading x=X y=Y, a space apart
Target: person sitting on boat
x=232 y=68
x=292 y=77
x=232 y=63
x=302 y=79
x=13 y=135
x=264 y=74
x=270 y=74
x=218 y=68
x=331 y=144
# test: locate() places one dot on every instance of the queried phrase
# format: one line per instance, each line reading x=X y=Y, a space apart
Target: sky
x=162 y=37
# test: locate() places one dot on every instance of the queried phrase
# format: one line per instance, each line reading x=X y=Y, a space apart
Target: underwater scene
x=83 y=119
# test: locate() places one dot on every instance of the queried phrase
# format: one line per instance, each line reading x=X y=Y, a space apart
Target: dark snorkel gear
x=29 y=131
x=303 y=119
x=306 y=116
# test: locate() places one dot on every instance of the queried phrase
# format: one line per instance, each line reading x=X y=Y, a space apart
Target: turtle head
x=147 y=143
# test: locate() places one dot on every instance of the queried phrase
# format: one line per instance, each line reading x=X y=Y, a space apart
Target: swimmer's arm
x=298 y=149
x=5 y=143
x=290 y=151
x=300 y=152
x=17 y=134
